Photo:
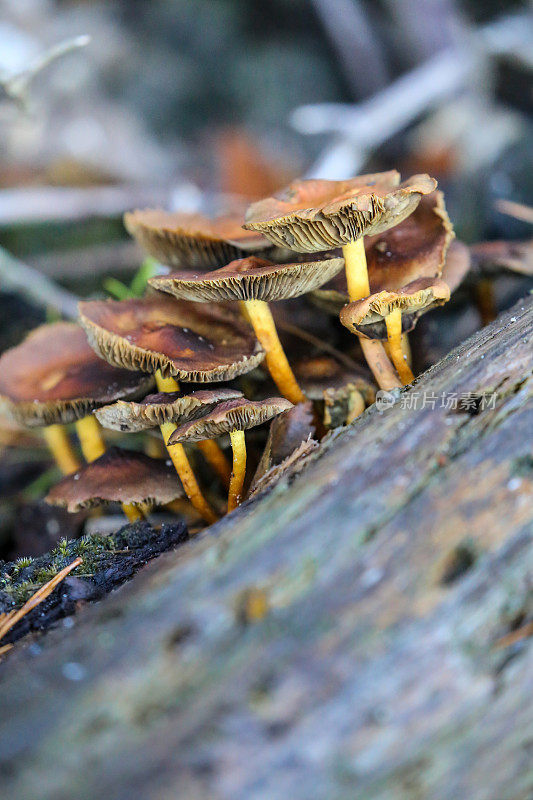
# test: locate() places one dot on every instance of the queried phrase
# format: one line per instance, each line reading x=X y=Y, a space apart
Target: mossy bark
x=386 y=577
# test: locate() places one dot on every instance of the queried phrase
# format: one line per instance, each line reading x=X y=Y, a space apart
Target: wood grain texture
x=340 y=638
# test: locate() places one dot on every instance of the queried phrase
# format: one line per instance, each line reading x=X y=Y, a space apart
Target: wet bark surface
x=359 y=633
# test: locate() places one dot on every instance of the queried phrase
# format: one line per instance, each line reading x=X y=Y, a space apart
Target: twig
x=28 y=281
x=515 y=636
x=516 y=210
x=358 y=129
x=28 y=206
x=15 y=87
x=360 y=53
x=364 y=126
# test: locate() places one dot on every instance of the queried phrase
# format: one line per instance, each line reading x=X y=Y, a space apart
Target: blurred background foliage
x=202 y=96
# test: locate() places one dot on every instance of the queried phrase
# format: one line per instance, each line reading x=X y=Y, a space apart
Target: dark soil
x=108 y=561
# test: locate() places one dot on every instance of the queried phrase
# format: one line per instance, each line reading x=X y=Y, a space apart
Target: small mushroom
x=118 y=476
x=233 y=417
x=318 y=214
x=193 y=240
x=157 y=409
x=54 y=377
x=344 y=392
x=173 y=339
x=256 y=281
x=490 y=258
x=416 y=248
x=170 y=407
x=379 y=316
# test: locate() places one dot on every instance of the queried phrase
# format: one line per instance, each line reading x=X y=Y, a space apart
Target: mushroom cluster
x=375 y=251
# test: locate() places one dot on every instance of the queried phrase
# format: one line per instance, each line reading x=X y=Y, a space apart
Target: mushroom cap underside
x=193 y=240
x=319 y=214
x=233 y=415
x=367 y=316
x=160 y=408
x=249 y=279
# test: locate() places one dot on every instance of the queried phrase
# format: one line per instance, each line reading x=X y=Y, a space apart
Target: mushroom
x=53 y=378
x=157 y=409
x=173 y=339
x=379 y=316
x=344 y=392
x=192 y=240
x=416 y=248
x=118 y=476
x=167 y=407
x=256 y=281
x=233 y=417
x=490 y=258
x=316 y=215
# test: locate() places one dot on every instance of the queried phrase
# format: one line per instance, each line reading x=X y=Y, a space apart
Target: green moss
x=21 y=578
x=20 y=564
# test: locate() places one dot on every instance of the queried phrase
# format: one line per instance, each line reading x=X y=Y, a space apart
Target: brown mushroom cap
x=456 y=266
x=193 y=342
x=55 y=376
x=367 y=316
x=335 y=385
x=192 y=240
x=416 y=248
x=249 y=279
x=319 y=214
x=233 y=415
x=157 y=409
x=323 y=375
x=119 y=476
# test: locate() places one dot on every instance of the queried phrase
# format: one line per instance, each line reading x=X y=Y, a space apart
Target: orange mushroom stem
x=278 y=365
x=179 y=458
x=379 y=363
x=359 y=287
x=356 y=269
x=58 y=442
x=393 y=321
x=238 y=445
x=93 y=446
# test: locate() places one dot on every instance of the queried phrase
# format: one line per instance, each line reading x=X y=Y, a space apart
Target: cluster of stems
x=388 y=375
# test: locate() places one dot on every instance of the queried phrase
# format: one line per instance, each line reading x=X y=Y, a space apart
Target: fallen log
x=361 y=633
